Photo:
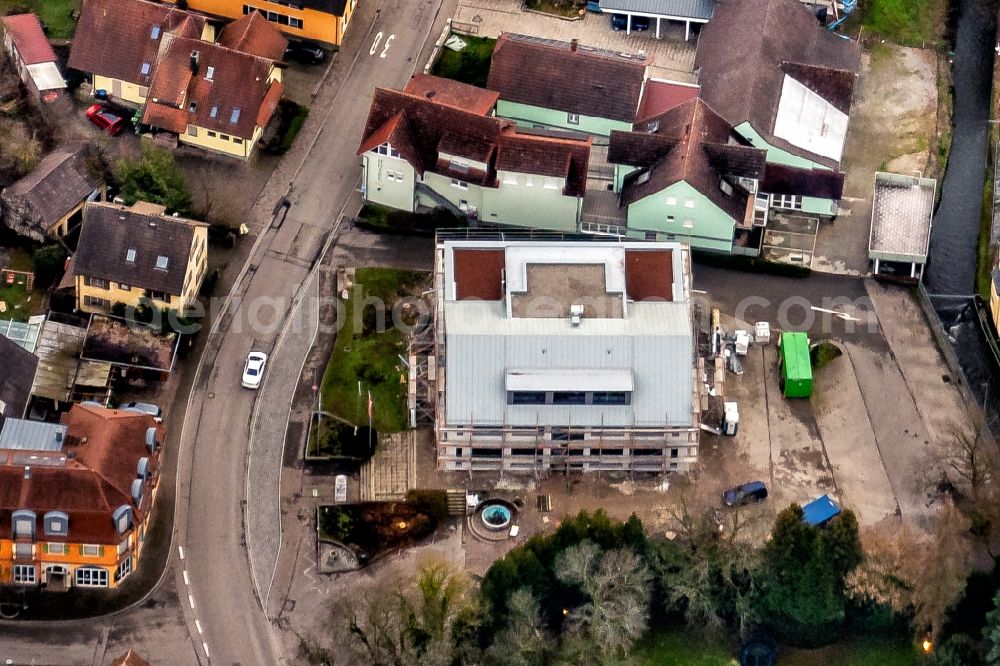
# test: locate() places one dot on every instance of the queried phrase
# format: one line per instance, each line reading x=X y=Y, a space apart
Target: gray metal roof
x=653 y=341
x=689 y=9
x=24 y=435
x=901 y=217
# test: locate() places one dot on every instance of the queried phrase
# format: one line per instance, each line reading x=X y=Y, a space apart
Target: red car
x=109 y=122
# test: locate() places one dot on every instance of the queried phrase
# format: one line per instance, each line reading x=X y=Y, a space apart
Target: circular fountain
x=493 y=519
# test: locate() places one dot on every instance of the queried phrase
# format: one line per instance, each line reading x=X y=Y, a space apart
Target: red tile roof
x=567 y=77
x=254 y=34
x=102 y=449
x=29 y=39
x=422 y=129
x=114 y=38
x=232 y=102
x=453 y=93
x=659 y=96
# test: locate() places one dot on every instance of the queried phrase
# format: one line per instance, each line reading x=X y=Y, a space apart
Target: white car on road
x=253 y=371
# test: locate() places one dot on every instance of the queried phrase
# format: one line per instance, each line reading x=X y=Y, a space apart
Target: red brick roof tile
x=29 y=39
x=254 y=34
x=453 y=93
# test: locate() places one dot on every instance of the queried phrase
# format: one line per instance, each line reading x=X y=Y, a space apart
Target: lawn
x=682 y=648
x=366 y=353
x=56 y=15
x=558 y=7
x=470 y=65
x=907 y=22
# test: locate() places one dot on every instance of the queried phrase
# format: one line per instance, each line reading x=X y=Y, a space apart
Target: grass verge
x=908 y=22
x=366 y=352
x=470 y=65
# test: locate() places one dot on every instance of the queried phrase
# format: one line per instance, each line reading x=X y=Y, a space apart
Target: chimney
x=576 y=314
x=572 y=45
x=195 y=59
x=27 y=472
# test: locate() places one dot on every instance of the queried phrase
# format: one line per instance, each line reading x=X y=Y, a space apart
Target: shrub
x=434 y=503
x=154 y=177
x=48 y=263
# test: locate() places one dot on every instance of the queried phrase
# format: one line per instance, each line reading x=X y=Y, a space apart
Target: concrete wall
x=712 y=227
x=392 y=193
x=535 y=202
x=528 y=116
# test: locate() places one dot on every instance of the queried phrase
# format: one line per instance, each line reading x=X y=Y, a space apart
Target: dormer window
x=137 y=492
x=151 y=442
x=154 y=33
x=386 y=149
x=23 y=523
x=56 y=523
x=162 y=263
x=210 y=73
x=122 y=518
x=130 y=255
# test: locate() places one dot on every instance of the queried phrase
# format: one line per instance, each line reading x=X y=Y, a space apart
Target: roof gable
x=29 y=39
x=60 y=182
x=254 y=34
x=567 y=77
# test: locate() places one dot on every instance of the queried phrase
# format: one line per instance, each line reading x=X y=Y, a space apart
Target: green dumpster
x=796 y=368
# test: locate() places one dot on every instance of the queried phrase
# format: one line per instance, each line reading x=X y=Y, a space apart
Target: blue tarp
x=819 y=511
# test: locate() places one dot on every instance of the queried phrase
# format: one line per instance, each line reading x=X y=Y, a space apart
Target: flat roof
x=24 y=435
x=46 y=76
x=115 y=341
x=902 y=212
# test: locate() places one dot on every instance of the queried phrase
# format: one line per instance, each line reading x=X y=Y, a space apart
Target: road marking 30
x=377 y=41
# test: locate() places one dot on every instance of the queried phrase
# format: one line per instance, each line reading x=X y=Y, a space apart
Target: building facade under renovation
x=565 y=355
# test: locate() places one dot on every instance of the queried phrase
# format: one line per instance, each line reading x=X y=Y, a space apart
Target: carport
x=683 y=11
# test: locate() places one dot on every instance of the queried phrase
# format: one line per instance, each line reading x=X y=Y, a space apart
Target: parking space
x=673 y=58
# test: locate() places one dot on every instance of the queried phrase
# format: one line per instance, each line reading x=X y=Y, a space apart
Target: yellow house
x=137 y=254
x=78 y=515
x=995 y=298
x=119 y=42
x=219 y=96
x=317 y=20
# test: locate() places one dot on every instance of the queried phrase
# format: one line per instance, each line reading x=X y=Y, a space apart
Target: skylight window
x=213 y=112
x=130 y=255
x=144 y=70
x=235 y=116
x=161 y=263
x=155 y=32
x=193 y=106
x=210 y=73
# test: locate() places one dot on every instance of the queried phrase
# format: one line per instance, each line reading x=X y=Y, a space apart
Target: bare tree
x=966 y=456
x=914 y=571
x=617 y=587
x=523 y=642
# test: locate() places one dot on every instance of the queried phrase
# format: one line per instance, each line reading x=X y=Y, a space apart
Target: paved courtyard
x=673 y=58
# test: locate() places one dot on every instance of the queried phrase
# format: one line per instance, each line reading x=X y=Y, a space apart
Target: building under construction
x=564 y=355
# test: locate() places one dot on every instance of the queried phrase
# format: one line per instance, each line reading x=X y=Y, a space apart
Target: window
x=130 y=255
x=124 y=568
x=726 y=188
x=526 y=397
x=569 y=398
x=213 y=112
x=56 y=523
x=670 y=219
x=24 y=550
x=671 y=201
x=24 y=523
x=56 y=549
x=212 y=135
x=156 y=295
x=144 y=70
x=610 y=398
x=460 y=166
x=386 y=149
x=123 y=545
x=237 y=140
x=234 y=117
x=24 y=574
x=192 y=130
x=573 y=118
x=394 y=176
x=95 y=302
x=124 y=287
x=551 y=184
x=529 y=181
x=564 y=435
x=97 y=283
x=193 y=106
x=91 y=577
x=294 y=22
x=689 y=203
x=786 y=201
x=509 y=179
x=162 y=263
x=224 y=137
x=460 y=184
x=673 y=453
x=154 y=33
x=650 y=235
x=122 y=518
x=210 y=74
x=91 y=550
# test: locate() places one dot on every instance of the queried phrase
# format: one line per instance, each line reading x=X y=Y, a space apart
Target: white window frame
x=689 y=203
x=460 y=184
x=573 y=118
x=90 y=550
x=25 y=574
x=24 y=550
x=294 y=22
x=788 y=201
x=91 y=577
x=52 y=548
x=726 y=188
x=551 y=184
x=671 y=201
x=124 y=569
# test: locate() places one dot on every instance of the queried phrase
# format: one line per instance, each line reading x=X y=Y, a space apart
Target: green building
x=545 y=83
x=796 y=365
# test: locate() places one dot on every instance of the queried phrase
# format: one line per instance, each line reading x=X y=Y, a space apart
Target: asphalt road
x=222 y=609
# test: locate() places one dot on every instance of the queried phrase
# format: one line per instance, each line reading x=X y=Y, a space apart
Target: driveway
x=673 y=58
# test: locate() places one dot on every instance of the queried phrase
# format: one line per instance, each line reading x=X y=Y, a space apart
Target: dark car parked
x=746 y=493
x=620 y=22
x=305 y=52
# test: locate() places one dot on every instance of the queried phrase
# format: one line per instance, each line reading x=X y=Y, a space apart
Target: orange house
x=75 y=497
x=317 y=20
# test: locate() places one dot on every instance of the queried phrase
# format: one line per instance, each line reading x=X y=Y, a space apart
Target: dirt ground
x=892 y=128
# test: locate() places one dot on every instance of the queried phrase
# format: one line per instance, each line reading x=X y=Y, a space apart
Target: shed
x=796 y=366
x=29 y=48
x=901 y=226
x=820 y=511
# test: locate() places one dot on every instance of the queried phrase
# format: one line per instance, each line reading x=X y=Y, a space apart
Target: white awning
x=600 y=379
